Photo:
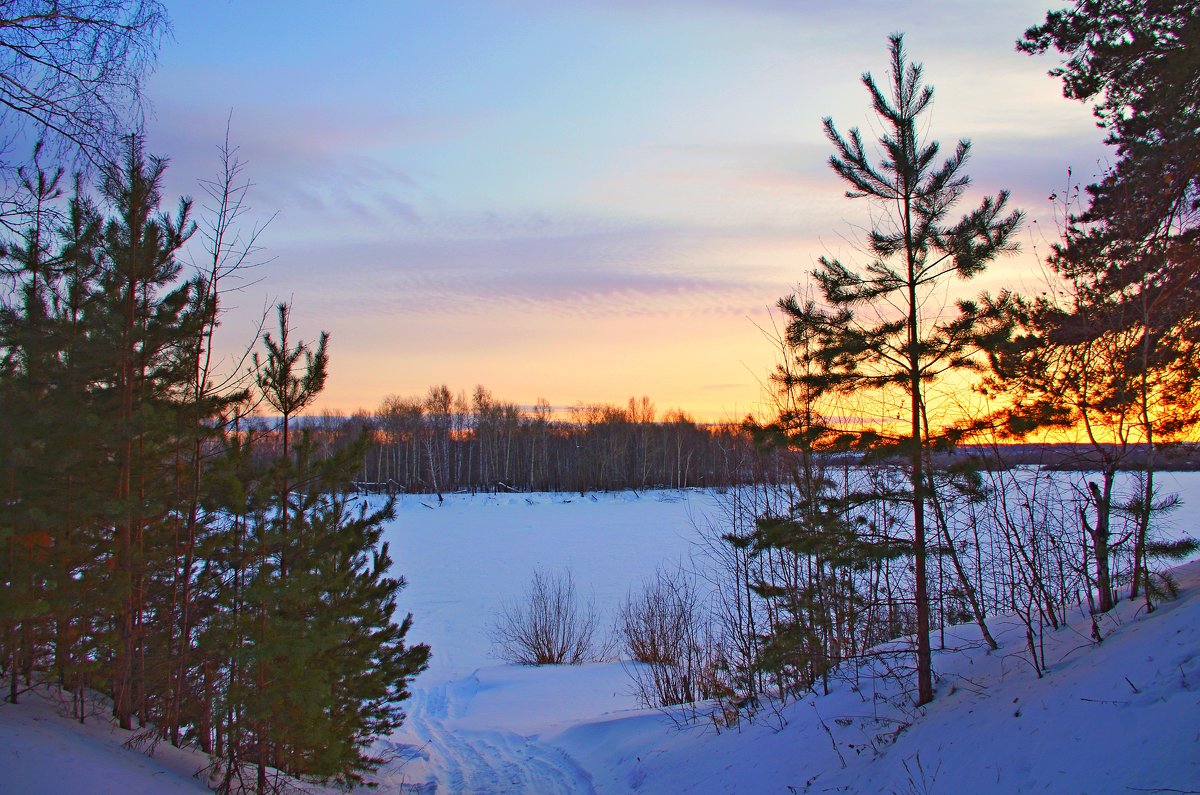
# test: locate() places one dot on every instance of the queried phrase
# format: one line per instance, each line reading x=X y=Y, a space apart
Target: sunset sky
x=578 y=200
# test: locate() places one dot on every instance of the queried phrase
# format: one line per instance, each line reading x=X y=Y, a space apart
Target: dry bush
x=549 y=626
x=665 y=629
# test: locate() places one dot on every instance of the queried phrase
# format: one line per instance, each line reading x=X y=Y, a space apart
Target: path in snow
x=473 y=725
x=435 y=756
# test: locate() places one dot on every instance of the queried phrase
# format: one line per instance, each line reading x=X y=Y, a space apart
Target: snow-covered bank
x=1121 y=716
x=1117 y=717
x=43 y=751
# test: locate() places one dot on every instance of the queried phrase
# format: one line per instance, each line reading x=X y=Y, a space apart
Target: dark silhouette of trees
x=1137 y=63
x=1117 y=357
x=447 y=443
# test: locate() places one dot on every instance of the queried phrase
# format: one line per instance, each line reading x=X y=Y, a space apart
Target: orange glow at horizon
x=710 y=361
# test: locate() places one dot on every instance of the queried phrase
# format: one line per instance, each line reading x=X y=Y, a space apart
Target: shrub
x=665 y=630
x=549 y=626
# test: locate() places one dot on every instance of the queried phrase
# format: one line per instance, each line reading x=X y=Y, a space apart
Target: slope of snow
x=43 y=751
x=1121 y=716
x=474 y=723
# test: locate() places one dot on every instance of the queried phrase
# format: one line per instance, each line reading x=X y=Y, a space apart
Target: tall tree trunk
x=123 y=677
x=1100 y=534
x=917 y=456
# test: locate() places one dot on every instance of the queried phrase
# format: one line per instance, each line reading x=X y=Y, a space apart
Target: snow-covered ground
x=1121 y=716
x=43 y=751
x=474 y=723
x=464 y=556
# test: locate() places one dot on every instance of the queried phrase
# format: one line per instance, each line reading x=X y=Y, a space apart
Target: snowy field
x=474 y=723
x=466 y=555
x=1123 y=716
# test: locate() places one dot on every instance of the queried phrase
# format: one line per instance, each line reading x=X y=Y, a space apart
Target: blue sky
x=581 y=201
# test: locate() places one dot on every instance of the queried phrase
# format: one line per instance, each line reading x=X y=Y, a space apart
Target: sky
x=580 y=201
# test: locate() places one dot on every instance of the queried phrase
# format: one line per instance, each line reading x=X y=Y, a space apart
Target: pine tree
x=328 y=664
x=1129 y=258
x=880 y=331
x=53 y=268
x=141 y=327
x=26 y=337
x=1137 y=63
x=347 y=667
x=814 y=542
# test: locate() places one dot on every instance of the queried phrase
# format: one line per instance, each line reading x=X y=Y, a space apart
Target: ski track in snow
x=487 y=762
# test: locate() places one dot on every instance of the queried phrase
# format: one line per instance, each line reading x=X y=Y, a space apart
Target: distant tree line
x=605 y=447
x=445 y=442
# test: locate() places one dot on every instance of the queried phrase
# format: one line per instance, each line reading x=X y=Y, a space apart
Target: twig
x=1102 y=701
x=832 y=741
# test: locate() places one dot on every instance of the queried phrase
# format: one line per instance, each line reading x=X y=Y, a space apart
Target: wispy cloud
x=587 y=275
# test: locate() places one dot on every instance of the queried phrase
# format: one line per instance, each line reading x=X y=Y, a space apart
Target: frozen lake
x=466 y=556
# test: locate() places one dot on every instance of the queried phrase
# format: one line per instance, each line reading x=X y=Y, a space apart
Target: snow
x=474 y=723
x=993 y=727
x=465 y=556
x=1120 y=716
x=43 y=751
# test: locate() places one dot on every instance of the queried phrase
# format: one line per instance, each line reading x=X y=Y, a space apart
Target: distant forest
x=446 y=442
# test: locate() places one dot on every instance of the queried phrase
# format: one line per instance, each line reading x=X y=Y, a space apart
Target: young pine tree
x=329 y=665
x=28 y=370
x=812 y=544
x=49 y=529
x=883 y=328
